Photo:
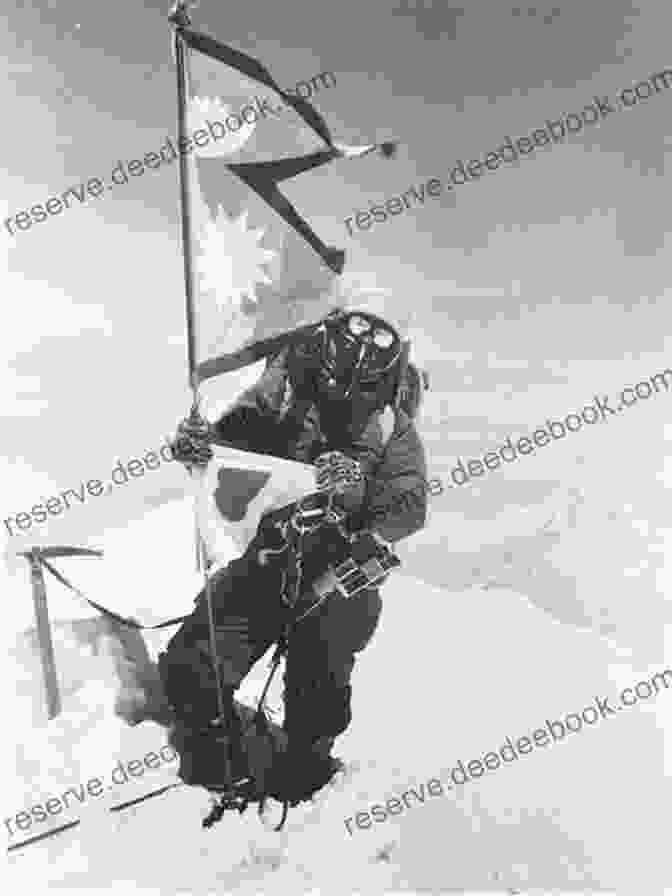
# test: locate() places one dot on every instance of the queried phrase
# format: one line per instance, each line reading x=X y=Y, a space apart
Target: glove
x=191 y=444
x=343 y=474
x=336 y=470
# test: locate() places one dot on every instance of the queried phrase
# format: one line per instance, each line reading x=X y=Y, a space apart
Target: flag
x=235 y=490
x=259 y=267
x=86 y=649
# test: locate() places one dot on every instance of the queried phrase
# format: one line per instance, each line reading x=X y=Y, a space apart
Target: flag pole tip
x=179 y=14
x=389 y=150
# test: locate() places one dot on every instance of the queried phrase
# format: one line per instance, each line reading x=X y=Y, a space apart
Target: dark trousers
x=249 y=617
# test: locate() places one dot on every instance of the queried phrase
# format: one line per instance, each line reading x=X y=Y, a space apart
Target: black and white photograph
x=326 y=567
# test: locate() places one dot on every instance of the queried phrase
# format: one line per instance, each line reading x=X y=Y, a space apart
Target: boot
x=203 y=752
x=322 y=748
x=302 y=770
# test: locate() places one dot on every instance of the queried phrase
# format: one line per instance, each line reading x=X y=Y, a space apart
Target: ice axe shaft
x=44 y=636
x=47 y=659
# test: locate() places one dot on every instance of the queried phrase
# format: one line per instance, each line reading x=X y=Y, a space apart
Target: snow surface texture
x=425 y=696
x=503 y=616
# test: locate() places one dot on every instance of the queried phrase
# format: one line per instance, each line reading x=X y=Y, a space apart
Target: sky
x=534 y=289
x=574 y=222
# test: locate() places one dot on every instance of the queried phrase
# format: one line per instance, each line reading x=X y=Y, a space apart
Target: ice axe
x=35 y=556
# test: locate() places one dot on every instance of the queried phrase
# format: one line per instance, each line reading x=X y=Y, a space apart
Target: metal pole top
x=179 y=14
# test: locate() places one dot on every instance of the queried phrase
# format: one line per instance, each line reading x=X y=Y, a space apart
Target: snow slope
x=448 y=677
x=452 y=671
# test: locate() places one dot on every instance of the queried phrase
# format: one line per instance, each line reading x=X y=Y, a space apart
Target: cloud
x=41 y=311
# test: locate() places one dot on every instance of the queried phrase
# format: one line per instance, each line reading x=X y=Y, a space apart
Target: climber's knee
x=317 y=711
x=234 y=660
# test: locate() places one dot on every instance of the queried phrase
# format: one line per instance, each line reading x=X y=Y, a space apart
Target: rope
x=131 y=623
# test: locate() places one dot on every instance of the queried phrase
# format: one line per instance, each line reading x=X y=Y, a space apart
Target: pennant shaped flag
x=259 y=267
x=236 y=489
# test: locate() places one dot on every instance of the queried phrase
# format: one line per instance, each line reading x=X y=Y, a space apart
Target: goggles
x=357 y=347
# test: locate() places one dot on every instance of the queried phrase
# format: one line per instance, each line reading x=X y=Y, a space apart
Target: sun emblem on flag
x=231 y=261
x=202 y=112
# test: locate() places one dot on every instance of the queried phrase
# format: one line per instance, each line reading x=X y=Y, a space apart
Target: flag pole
x=179 y=18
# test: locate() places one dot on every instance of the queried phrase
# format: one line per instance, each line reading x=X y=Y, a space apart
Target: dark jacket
x=269 y=418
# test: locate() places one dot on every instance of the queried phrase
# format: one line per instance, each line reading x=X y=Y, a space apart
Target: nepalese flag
x=260 y=269
x=235 y=490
